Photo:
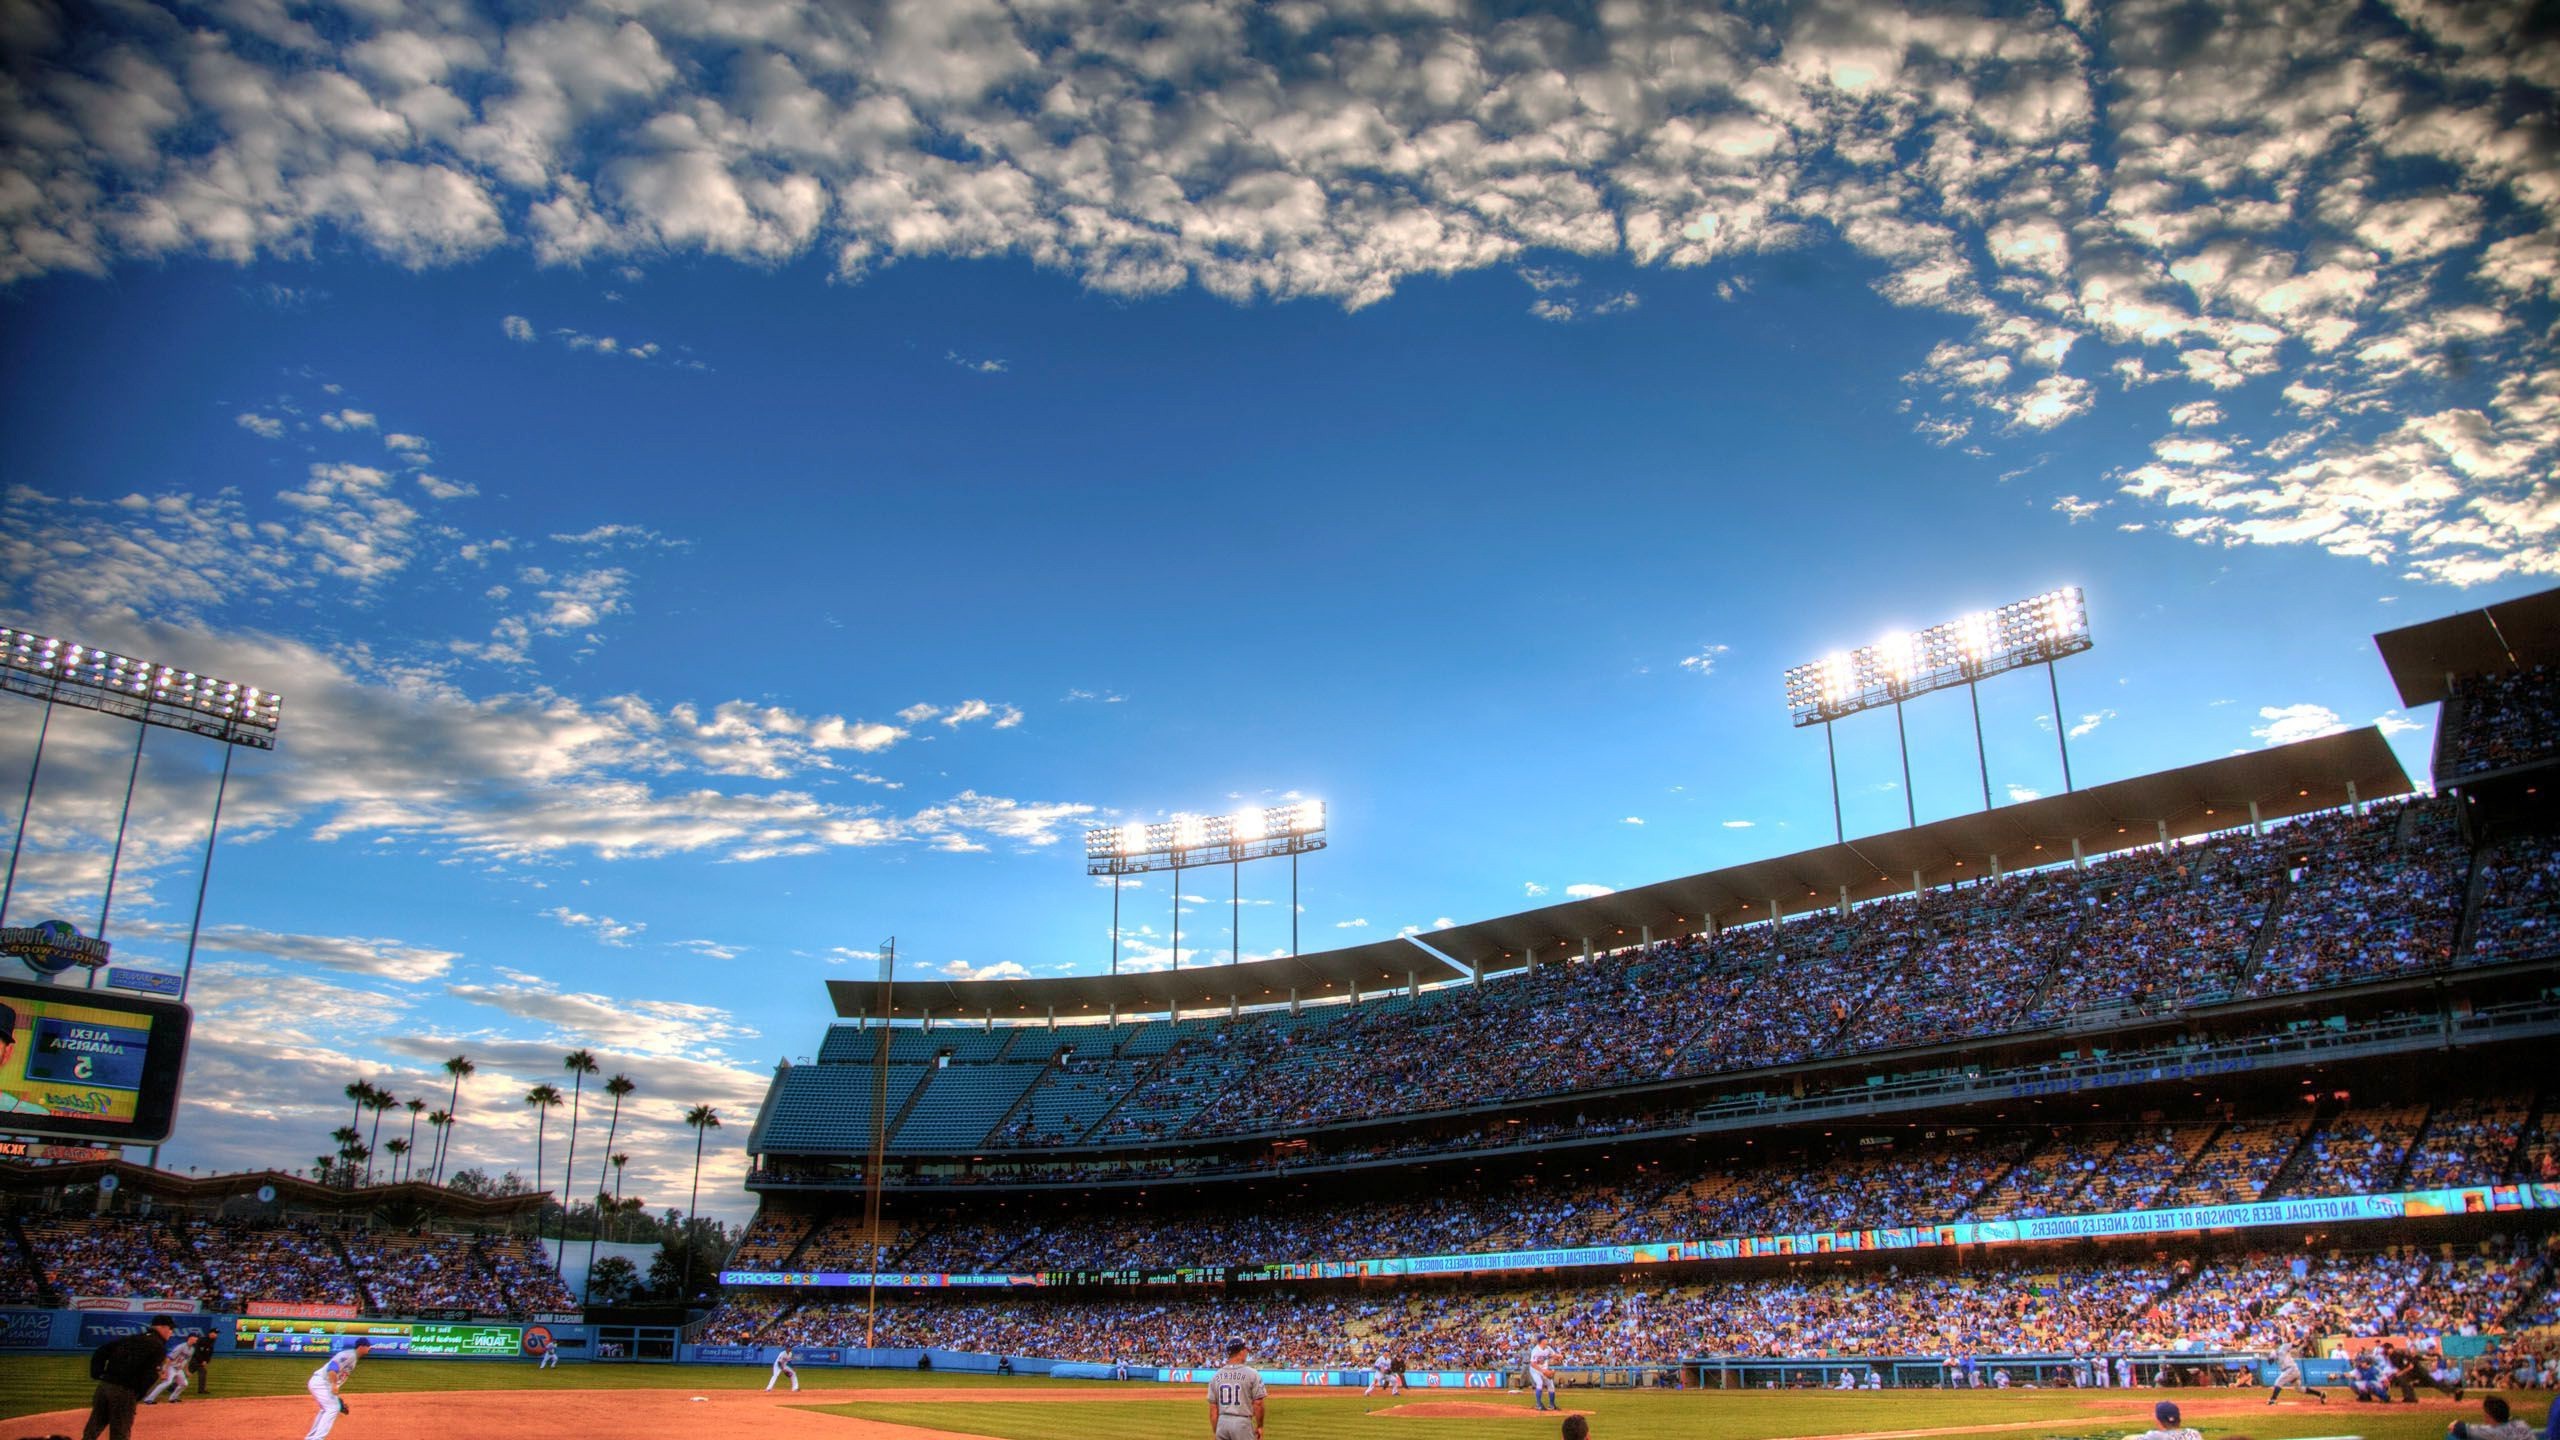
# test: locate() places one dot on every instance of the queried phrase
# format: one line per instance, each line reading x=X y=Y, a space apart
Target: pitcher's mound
x=1468 y=1410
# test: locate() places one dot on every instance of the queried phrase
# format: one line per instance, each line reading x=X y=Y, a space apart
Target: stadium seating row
x=2329 y=899
x=2248 y=1300
x=1861 y=1179
x=50 y=1259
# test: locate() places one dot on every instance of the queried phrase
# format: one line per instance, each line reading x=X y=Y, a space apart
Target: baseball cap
x=1234 y=1348
x=2166 y=1412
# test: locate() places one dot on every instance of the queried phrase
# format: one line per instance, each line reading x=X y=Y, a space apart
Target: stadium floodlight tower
x=1187 y=842
x=61 y=672
x=2036 y=631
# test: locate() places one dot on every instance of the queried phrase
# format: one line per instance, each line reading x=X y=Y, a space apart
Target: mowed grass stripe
x=32 y=1384
x=1657 y=1415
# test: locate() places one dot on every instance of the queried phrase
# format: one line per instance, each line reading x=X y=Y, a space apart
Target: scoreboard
x=1177 y=1275
x=276 y=1335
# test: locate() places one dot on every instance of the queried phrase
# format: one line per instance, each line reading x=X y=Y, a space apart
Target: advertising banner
x=725 y=1354
x=134 y=1304
x=290 y=1310
x=835 y=1279
x=97 y=1330
x=1414 y=1379
x=25 y=1329
x=280 y=1336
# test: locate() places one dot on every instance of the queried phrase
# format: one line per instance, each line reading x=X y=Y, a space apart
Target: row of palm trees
x=356 y=1147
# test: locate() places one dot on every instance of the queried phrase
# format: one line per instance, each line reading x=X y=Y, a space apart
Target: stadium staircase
x=2269 y=925
x=1142 y=1080
x=1014 y=1111
x=2472 y=894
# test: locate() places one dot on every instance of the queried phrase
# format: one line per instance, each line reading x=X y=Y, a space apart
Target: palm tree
x=580 y=1064
x=350 y=1140
x=618 y=1162
x=458 y=1067
x=413 y=1105
x=437 y=1120
x=617 y=1087
x=399 y=1149
x=380 y=1100
x=356 y=1092
x=544 y=1099
x=704 y=1119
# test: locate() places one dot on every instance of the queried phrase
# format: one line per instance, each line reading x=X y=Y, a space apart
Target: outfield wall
x=32 y=1331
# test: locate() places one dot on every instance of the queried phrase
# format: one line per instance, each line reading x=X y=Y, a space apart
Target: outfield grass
x=35 y=1383
x=1660 y=1415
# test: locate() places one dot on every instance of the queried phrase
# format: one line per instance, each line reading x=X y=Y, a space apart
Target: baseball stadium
x=2222 y=1086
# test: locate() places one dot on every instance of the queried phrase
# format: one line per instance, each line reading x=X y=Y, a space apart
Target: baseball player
x=2366 y=1381
x=1395 y=1374
x=2289 y=1372
x=1377 y=1373
x=1236 y=1395
x=173 y=1373
x=549 y=1358
x=2124 y=1372
x=2166 y=1425
x=327 y=1381
x=1542 y=1376
x=782 y=1367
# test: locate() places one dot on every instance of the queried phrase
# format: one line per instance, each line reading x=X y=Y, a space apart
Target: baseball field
x=263 y=1399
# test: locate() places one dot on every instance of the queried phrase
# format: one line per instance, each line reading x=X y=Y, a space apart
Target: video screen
x=88 y=1064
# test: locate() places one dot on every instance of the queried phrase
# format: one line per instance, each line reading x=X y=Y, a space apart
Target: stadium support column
x=1293 y=1002
x=876 y=1176
x=1647 y=940
x=1586 y=949
x=1981 y=756
x=1293 y=904
x=2164 y=835
x=1831 y=751
x=1916 y=886
x=1901 y=738
x=1115 y=922
x=2354 y=801
x=2079 y=856
x=115 y=857
x=35 y=767
x=1235 y=913
x=2061 y=732
x=1844 y=902
x=1412 y=985
x=2257 y=826
x=204 y=878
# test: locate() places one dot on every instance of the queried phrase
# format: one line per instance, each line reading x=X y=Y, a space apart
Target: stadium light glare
x=2034 y=631
x=1188 y=842
x=64 y=672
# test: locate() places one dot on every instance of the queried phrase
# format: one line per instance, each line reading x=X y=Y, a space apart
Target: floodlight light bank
x=1188 y=842
x=1964 y=651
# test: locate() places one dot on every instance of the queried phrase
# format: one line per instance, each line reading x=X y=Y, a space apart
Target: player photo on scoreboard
x=59 y=1058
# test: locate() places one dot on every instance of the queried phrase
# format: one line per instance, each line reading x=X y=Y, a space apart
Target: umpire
x=124 y=1369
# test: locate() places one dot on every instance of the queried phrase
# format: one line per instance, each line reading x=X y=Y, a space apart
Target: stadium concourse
x=2193 y=1066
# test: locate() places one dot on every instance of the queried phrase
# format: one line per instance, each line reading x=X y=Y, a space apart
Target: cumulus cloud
x=1589 y=892
x=1000 y=970
x=265 y=427
x=1704 y=661
x=2357 y=199
x=1632 y=820
x=606 y=929
x=2286 y=724
x=1532 y=889
x=1740 y=824
x=1355 y=924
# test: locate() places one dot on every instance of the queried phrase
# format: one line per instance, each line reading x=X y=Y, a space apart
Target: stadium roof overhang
x=2506 y=636
x=292 y=1191
x=1366 y=969
x=2281 y=781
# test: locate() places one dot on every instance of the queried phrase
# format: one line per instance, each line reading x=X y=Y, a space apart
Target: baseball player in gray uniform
x=1235 y=1398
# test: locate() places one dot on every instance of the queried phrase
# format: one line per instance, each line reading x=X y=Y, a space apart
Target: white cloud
x=2286 y=724
x=1589 y=892
x=1000 y=970
x=2022 y=792
x=1005 y=716
x=378 y=959
x=265 y=427
x=1740 y=824
x=1358 y=924
x=1704 y=661
x=1632 y=820
x=620 y=537
x=710 y=949
x=2074 y=509
x=606 y=929
x=2341 y=205
x=412 y=444
x=2089 y=723
x=1532 y=889
x=1099 y=697
x=975 y=367
x=343 y=420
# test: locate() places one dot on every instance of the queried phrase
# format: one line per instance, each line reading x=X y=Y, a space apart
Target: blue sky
x=715 y=495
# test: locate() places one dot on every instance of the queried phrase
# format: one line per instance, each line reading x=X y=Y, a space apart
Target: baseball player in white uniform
x=782 y=1367
x=327 y=1381
x=1542 y=1376
x=1236 y=1395
x=173 y=1373
x=1377 y=1373
x=2289 y=1372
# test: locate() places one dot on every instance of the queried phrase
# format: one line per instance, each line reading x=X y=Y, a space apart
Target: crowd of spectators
x=1857 y=1180
x=2250 y=1301
x=273 y=1262
x=2519 y=900
x=114 y=1255
x=2499 y=721
x=2357 y=895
